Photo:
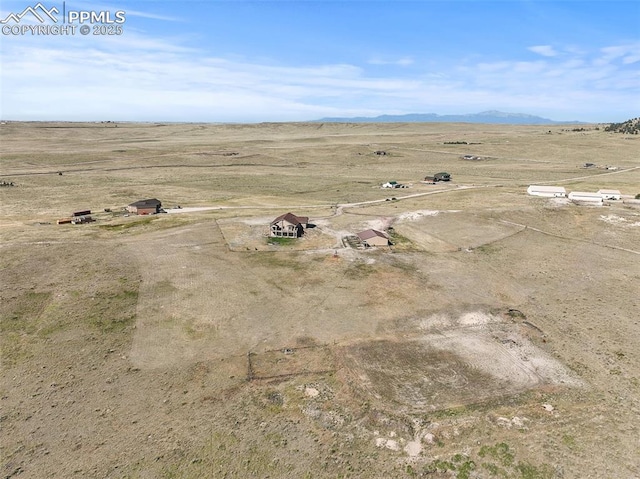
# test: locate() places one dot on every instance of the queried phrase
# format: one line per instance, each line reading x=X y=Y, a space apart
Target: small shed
x=373 y=238
x=610 y=194
x=547 y=191
x=145 y=207
x=586 y=197
x=289 y=225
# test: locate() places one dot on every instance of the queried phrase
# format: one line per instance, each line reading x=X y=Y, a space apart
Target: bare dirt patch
x=458 y=365
x=287 y=362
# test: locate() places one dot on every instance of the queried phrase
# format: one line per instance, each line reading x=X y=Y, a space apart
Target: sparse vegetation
x=630 y=127
x=127 y=346
x=489 y=248
x=21 y=324
x=497 y=461
x=399 y=242
x=516 y=314
x=500 y=461
x=276 y=260
x=112 y=312
x=135 y=223
x=281 y=240
x=359 y=270
x=499 y=452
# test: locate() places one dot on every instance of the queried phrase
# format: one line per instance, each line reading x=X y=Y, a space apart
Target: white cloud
x=544 y=50
x=627 y=53
x=403 y=62
x=143 y=78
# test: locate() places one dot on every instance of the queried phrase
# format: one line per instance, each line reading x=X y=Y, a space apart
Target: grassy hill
x=629 y=127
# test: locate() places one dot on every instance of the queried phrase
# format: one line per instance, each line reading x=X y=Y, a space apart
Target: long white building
x=610 y=194
x=547 y=191
x=586 y=197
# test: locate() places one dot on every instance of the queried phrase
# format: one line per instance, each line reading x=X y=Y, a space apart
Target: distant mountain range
x=491 y=116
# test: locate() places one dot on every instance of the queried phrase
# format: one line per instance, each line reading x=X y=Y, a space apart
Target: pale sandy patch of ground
x=380 y=224
x=388 y=443
x=506 y=356
x=463 y=359
x=414 y=215
x=619 y=221
x=325 y=225
x=192 y=209
x=413 y=448
x=256 y=221
x=558 y=202
x=311 y=392
x=501 y=351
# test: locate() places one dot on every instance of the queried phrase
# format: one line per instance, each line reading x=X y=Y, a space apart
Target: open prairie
x=497 y=337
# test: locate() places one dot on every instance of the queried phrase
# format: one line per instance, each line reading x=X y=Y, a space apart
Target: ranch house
x=289 y=225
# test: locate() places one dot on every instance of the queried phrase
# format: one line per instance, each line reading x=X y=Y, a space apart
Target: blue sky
x=291 y=60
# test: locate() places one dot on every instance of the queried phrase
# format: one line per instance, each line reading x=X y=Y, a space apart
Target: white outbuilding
x=610 y=194
x=586 y=197
x=547 y=191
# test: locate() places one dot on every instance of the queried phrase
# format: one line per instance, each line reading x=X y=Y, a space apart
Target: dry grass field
x=497 y=337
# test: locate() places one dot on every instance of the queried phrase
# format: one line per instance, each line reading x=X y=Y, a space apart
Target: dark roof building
x=145 y=207
x=81 y=213
x=289 y=224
